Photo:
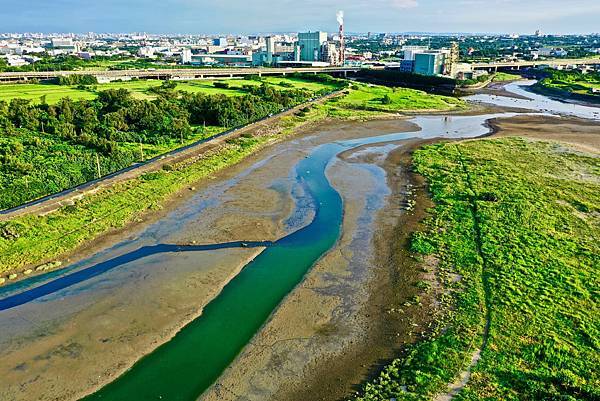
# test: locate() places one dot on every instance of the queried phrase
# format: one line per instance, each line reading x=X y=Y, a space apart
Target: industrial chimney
x=340 y=20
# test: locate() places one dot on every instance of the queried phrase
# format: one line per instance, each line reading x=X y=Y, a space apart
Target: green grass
x=581 y=87
x=373 y=98
x=40 y=237
x=34 y=92
x=503 y=77
x=141 y=89
x=572 y=82
x=518 y=223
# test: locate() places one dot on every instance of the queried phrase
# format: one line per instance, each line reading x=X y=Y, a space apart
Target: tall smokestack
x=340 y=19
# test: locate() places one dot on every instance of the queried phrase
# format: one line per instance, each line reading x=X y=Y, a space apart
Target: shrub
x=221 y=85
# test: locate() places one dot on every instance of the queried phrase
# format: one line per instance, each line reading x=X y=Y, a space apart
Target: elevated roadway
x=175 y=73
x=536 y=63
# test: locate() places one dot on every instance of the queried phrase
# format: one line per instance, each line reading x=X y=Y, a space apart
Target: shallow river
x=188 y=364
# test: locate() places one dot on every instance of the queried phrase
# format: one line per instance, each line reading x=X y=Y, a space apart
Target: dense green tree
x=47 y=148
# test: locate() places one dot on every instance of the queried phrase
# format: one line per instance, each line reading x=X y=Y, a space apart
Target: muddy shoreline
x=354 y=311
x=339 y=378
x=394 y=319
x=44 y=355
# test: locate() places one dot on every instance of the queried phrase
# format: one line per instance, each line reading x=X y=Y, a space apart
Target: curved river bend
x=190 y=362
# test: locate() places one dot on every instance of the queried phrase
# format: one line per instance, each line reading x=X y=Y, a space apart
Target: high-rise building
x=221 y=42
x=310 y=45
x=410 y=51
x=330 y=53
x=186 y=56
x=451 y=60
x=430 y=63
x=270 y=48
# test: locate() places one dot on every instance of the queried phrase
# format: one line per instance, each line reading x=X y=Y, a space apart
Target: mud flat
x=581 y=134
x=354 y=311
x=356 y=307
x=67 y=344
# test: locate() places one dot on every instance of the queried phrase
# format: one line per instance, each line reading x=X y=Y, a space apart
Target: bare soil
x=581 y=134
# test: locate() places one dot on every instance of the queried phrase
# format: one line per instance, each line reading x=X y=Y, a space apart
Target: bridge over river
x=516 y=65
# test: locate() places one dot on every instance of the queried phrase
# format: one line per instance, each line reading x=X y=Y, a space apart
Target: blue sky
x=251 y=16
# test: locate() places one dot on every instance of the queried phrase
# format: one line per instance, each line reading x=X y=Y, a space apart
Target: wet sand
x=48 y=355
x=63 y=358
x=581 y=134
x=356 y=308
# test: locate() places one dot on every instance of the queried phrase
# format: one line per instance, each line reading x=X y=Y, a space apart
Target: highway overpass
x=176 y=73
x=516 y=65
x=201 y=73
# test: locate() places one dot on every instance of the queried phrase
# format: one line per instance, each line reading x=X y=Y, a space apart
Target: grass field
x=503 y=77
x=581 y=87
x=516 y=232
x=34 y=92
x=140 y=89
x=572 y=82
x=385 y=99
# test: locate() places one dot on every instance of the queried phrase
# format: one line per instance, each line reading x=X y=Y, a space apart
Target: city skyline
x=203 y=17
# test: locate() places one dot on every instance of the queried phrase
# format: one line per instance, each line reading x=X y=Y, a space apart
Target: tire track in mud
x=463 y=377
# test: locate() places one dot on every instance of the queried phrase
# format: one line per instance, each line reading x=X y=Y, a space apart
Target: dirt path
x=463 y=377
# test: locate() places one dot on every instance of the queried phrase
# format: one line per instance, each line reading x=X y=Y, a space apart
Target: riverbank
x=65 y=227
x=252 y=207
x=569 y=86
x=567 y=96
x=337 y=323
x=501 y=309
x=315 y=346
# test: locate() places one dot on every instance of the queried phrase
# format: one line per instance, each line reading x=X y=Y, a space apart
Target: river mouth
x=228 y=323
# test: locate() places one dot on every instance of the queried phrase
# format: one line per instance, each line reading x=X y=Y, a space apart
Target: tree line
x=46 y=148
x=116 y=116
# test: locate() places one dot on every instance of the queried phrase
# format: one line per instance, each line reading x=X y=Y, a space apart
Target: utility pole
x=141 y=150
x=98 y=165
